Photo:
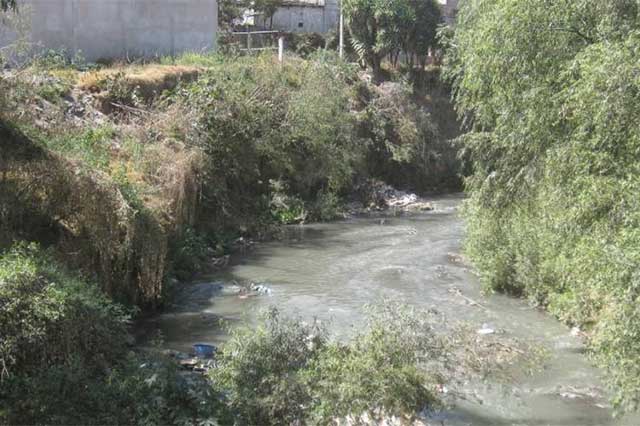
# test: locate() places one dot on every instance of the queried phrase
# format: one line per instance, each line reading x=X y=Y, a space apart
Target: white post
x=281 y=49
x=341 y=48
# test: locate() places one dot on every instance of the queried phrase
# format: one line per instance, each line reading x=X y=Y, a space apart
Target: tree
x=551 y=95
x=421 y=34
x=389 y=27
x=268 y=8
x=376 y=28
x=7 y=4
x=228 y=11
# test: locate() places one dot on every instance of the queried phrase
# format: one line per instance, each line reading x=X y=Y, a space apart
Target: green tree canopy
x=551 y=95
x=387 y=27
x=420 y=35
x=6 y=4
x=376 y=27
x=268 y=8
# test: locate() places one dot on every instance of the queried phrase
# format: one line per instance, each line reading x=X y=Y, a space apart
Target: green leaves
x=43 y=309
x=259 y=122
x=550 y=92
x=7 y=4
x=381 y=27
x=268 y=8
x=287 y=371
x=64 y=344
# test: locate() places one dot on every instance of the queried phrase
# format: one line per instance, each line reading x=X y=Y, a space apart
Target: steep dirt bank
x=84 y=215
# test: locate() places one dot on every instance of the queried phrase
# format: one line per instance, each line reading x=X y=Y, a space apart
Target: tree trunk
x=376 y=69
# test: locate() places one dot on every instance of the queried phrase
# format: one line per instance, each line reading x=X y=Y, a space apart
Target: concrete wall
x=314 y=19
x=325 y=15
x=117 y=28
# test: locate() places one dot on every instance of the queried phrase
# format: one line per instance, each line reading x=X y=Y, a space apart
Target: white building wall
x=307 y=19
x=322 y=16
x=117 y=28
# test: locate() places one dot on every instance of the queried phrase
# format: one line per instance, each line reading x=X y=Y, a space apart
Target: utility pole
x=341 y=48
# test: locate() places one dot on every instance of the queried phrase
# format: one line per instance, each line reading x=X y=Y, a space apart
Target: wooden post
x=341 y=48
x=281 y=49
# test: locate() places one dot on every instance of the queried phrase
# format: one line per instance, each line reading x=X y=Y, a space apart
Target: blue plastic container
x=201 y=350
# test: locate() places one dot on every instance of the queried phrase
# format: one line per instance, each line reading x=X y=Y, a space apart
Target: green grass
x=91 y=146
x=195 y=59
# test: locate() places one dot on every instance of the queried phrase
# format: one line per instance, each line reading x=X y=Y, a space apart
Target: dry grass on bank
x=149 y=80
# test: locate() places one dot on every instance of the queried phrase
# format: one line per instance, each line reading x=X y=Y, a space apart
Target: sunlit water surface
x=330 y=271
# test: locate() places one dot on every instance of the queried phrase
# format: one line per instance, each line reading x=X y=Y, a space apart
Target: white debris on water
x=486 y=329
x=260 y=288
x=402 y=200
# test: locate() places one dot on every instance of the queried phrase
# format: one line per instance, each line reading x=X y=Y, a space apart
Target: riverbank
x=554 y=210
x=130 y=177
x=187 y=158
x=329 y=271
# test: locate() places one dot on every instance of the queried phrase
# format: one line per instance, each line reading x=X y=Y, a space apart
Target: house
x=102 y=29
x=321 y=16
x=306 y=16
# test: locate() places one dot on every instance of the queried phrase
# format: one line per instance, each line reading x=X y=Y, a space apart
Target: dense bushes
x=289 y=372
x=258 y=123
x=64 y=357
x=302 y=133
x=49 y=317
x=405 y=135
x=551 y=94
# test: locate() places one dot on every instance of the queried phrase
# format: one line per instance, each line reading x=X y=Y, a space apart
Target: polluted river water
x=331 y=271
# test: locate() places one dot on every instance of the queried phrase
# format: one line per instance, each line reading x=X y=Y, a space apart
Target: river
x=330 y=271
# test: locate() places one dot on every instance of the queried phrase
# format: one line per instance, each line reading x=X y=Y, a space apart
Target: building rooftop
x=317 y=3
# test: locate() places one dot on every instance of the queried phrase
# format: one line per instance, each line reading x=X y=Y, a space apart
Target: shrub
x=305 y=44
x=406 y=146
x=286 y=209
x=258 y=122
x=139 y=389
x=120 y=90
x=286 y=371
x=382 y=371
x=50 y=317
x=260 y=369
x=190 y=251
x=64 y=356
x=326 y=207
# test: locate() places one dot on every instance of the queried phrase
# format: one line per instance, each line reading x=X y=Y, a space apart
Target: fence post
x=341 y=43
x=281 y=49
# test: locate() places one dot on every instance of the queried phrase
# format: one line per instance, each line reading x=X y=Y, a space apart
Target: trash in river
x=486 y=330
x=205 y=351
x=254 y=290
x=199 y=360
x=260 y=288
